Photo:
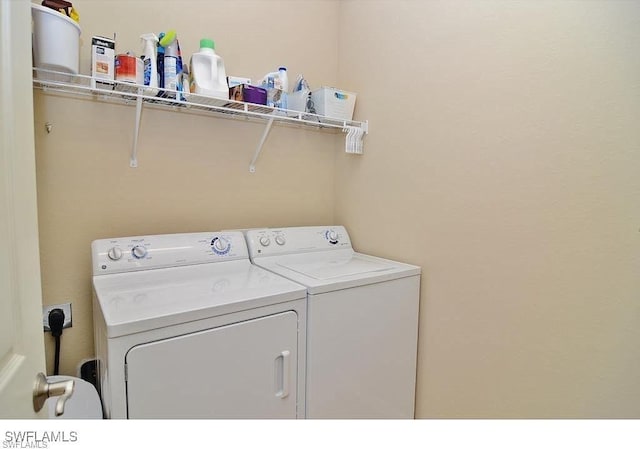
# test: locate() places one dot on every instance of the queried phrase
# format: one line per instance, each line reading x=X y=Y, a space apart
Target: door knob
x=43 y=389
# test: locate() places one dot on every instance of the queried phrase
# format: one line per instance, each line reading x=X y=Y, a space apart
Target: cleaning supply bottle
x=160 y=62
x=183 y=75
x=149 y=60
x=171 y=63
x=277 y=85
x=284 y=86
x=207 y=74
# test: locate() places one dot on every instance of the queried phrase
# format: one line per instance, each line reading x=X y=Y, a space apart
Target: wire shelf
x=117 y=91
x=129 y=93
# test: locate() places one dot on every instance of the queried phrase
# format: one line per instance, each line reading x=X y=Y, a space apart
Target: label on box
x=103 y=52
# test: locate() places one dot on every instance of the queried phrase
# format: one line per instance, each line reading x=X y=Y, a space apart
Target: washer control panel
x=273 y=241
x=117 y=255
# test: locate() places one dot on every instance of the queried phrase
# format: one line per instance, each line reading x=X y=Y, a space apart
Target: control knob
x=139 y=252
x=115 y=253
x=280 y=239
x=220 y=245
x=332 y=236
x=265 y=240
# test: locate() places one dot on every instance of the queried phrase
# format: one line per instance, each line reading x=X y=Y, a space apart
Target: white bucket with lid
x=56 y=41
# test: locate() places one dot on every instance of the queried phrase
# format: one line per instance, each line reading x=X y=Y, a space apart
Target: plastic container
x=149 y=59
x=126 y=68
x=334 y=103
x=284 y=86
x=207 y=74
x=56 y=41
x=297 y=101
x=277 y=85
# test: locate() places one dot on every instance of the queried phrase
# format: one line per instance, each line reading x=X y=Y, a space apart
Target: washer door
x=242 y=370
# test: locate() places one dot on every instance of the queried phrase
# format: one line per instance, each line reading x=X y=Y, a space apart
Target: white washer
x=187 y=327
x=362 y=321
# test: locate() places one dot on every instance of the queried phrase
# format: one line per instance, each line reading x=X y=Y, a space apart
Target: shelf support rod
x=134 y=150
x=252 y=165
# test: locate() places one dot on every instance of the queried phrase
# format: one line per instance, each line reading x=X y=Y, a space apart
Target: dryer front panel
x=242 y=370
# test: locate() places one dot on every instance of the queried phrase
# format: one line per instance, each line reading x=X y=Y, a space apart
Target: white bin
x=334 y=103
x=56 y=41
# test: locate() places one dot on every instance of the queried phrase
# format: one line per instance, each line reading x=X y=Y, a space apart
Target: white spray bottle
x=149 y=58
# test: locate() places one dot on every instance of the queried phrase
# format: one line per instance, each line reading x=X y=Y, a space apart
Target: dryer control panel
x=117 y=255
x=276 y=241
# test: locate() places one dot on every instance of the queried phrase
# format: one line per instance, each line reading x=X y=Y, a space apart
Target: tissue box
x=334 y=103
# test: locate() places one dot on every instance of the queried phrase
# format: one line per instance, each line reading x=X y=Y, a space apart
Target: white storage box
x=334 y=103
x=56 y=41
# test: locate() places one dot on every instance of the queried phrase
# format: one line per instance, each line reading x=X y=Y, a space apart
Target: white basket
x=56 y=40
x=334 y=103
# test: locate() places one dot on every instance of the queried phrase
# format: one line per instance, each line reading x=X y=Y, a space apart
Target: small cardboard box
x=334 y=103
x=248 y=94
x=103 y=55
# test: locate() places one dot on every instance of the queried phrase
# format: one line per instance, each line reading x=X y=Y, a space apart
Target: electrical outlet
x=67 y=315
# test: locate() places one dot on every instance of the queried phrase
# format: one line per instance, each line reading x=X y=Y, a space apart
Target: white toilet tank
x=84 y=403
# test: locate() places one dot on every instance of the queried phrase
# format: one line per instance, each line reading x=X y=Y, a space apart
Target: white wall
x=503 y=158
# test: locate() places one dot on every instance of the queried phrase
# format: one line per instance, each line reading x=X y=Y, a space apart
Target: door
x=242 y=370
x=21 y=336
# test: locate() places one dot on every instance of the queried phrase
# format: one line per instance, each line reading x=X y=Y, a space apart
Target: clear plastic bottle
x=207 y=73
x=277 y=85
x=284 y=86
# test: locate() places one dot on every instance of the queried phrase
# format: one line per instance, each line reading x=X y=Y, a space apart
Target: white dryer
x=187 y=327
x=362 y=321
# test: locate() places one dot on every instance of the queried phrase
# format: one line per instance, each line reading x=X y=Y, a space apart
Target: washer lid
x=335 y=266
x=144 y=300
x=334 y=270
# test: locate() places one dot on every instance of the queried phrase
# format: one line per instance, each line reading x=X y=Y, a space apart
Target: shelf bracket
x=133 y=162
x=252 y=165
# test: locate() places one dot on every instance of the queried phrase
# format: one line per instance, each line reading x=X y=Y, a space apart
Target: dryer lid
x=145 y=300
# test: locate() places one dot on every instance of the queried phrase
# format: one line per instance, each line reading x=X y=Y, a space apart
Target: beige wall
x=503 y=158
x=193 y=170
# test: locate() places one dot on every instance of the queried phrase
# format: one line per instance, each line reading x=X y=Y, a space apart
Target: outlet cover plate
x=67 y=315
